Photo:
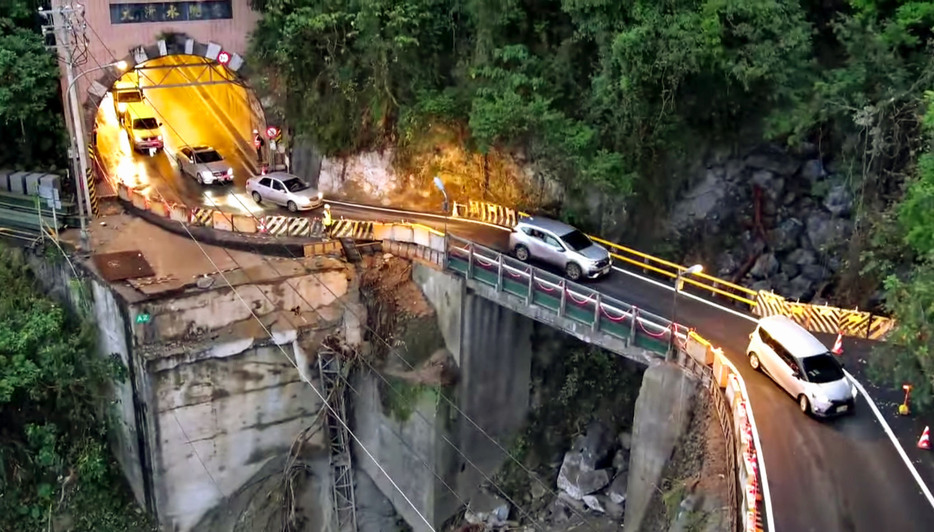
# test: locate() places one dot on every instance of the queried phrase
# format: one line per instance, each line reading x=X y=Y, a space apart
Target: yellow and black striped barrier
x=291 y=226
x=92 y=194
x=825 y=319
x=202 y=217
x=484 y=211
x=356 y=229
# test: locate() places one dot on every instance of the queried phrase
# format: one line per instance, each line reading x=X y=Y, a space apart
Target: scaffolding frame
x=333 y=379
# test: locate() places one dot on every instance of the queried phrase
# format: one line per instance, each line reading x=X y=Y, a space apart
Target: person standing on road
x=258 y=143
x=326 y=219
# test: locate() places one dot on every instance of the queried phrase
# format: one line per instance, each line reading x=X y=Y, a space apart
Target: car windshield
x=577 y=240
x=295 y=185
x=129 y=97
x=822 y=368
x=145 y=123
x=208 y=156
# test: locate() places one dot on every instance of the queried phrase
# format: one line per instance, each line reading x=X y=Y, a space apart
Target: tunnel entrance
x=181 y=128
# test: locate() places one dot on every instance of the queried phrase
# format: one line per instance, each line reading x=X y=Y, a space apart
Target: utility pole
x=67 y=24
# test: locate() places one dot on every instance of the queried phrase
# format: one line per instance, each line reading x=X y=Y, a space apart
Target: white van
x=802 y=365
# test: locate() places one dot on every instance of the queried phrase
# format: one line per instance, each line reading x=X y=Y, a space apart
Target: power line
x=377 y=373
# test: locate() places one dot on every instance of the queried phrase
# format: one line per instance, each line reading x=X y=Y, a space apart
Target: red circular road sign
x=223 y=58
x=272 y=132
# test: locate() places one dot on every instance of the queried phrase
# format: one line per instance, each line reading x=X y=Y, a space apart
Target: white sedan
x=286 y=190
x=204 y=164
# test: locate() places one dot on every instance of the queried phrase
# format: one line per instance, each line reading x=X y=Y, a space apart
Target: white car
x=800 y=364
x=204 y=164
x=286 y=190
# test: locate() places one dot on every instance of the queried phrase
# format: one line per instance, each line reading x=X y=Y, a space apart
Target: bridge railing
x=566 y=299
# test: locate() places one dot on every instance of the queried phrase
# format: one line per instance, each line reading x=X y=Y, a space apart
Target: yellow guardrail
x=670 y=269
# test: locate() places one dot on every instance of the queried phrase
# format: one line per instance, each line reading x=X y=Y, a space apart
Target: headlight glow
x=206 y=174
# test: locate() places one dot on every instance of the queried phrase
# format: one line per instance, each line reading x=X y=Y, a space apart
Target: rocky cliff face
x=770 y=219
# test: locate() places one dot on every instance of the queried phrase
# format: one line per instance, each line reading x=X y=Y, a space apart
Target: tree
x=54 y=390
x=30 y=108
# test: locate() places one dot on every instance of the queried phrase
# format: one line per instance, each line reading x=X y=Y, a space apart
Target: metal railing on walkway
x=566 y=299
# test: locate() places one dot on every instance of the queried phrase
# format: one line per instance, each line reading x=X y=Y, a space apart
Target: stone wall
x=212 y=403
x=432 y=444
x=770 y=218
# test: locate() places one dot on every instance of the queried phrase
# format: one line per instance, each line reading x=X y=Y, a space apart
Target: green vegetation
x=617 y=95
x=55 y=463
x=578 y=385
x=403 y=398
x=30 y=105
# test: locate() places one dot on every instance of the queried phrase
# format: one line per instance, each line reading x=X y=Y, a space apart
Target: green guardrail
x=24 y=211
x=585 y=314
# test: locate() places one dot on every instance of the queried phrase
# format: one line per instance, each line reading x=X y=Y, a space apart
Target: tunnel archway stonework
x=170 y=44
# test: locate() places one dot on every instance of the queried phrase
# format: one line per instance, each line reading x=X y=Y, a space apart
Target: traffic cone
x=925 y=441
x=838 y=345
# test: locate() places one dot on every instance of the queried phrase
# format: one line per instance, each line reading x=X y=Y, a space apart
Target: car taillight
x=159 y=137
x=230 y=171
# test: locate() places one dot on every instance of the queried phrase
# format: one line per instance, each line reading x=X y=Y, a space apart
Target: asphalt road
x=839 y=475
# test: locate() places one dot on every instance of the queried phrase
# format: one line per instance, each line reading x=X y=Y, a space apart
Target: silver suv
x=560 y=245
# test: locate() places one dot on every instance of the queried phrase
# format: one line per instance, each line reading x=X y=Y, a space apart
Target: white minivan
x=802 y=365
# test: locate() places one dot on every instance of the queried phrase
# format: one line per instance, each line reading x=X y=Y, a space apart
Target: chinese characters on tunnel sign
x=170 y=11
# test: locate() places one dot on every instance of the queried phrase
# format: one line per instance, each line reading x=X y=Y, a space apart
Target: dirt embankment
x=694 y=484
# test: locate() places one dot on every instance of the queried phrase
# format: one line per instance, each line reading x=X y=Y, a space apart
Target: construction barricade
x=355 y=229
x=179 y=213
x=737 y=423
x=202 y=217
x=159 y=208
x=243 y=223
x=484 y=211
x=221 y=221
x=825 y=319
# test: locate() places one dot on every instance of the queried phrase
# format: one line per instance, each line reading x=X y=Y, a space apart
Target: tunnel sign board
x=223 y=58
x=143 y=318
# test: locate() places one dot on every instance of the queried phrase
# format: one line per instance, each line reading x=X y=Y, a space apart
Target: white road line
x=686 y=294
x=895 y=442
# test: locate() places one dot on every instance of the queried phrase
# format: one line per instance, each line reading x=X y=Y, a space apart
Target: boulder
x=765 y=266
x=785 y=237
x=487 y=509
x=595 y=446
x=802 y=256
x=772 y=184
x=813 y=170
x=790 y=269
x=815 y=272
x=779 y=163
x=825 y=232
x=564 y=508
x=839 y=201
x=577 y=481
x=726 y=264
x=800 y=289
x=621 y=461
x=625 y=440
x=617 y=490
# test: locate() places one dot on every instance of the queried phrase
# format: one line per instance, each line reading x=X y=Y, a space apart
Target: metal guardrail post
x=529 y=298
x=596 y=312
x=470 y=260
x=499 y=272
x=632 y=325
x=564 y=298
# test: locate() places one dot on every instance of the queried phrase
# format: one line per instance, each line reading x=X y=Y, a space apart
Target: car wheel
x=573 y=271
x=804 y=404
x=522 y=253
x=754 y=361
x=200 y=179
x=257 y=198
x=292 y=206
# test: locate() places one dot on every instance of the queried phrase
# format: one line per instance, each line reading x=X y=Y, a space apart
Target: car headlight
x=159 y=137
x=230 y=171
x=320 y=195
x=206 y=174
x=853 y=391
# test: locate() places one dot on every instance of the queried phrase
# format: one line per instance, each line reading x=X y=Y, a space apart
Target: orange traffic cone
x=925 y=441
x=838 y=345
